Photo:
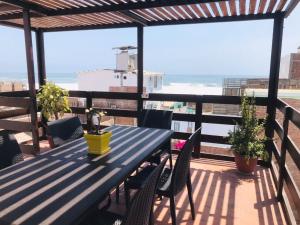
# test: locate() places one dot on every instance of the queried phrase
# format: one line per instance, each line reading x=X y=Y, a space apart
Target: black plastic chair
x=161 y=119
x=64 y=130
x=10 y=152
x=173 y=180
x=140 y=212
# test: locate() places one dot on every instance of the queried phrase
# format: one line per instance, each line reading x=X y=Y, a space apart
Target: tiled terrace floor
x=223 y=196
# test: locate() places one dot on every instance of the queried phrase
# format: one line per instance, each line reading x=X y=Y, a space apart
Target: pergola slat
x=262 y=6
x=223 y=7
x=232 y=7
x=197 y=11
x=271 y=6
x=242 y=7
x=214 y=9
x=252 y=6
x=205 y=10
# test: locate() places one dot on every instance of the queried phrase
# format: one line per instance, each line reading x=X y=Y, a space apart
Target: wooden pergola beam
x=31 y=81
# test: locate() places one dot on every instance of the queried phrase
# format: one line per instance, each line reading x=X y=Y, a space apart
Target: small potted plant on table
x=97 y=140
x=248 y=138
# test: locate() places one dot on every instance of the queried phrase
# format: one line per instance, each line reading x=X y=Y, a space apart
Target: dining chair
x=161 y=119
x=140 y=211
x=10 y=152
x=172 y=181
x=64 y=130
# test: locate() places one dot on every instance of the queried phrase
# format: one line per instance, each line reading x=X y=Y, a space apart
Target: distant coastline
x=172 y=83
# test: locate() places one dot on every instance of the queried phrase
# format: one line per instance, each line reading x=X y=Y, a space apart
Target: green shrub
x=248 y=138
x=53 y=101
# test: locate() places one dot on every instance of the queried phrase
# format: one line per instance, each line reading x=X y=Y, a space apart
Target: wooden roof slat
x=48 y=4
x=181 y=12
x=242 y=7
x=232 y=7
x=173 y=15
x=252 y=6
x=214 y=8
x=160 y=14
x=151 y=14
x=171 y=11
x=281 y=5
x=163 y=12
x=156 y=15
x=271 y=6
x=205 y=9
x=262 y=6
x=143 y=14
x=223 y=8
x=197 y=10
x=188 y=11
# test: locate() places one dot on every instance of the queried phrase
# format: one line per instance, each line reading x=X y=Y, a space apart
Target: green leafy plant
x=53 y=101
x=248 y=138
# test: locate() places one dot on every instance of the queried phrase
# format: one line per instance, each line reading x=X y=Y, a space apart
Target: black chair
x=10 y=152
x=161 y=119
x=64 y=130
x=140 y=212
x=173 y=180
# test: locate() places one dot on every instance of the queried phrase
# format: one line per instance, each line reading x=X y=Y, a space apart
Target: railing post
x=31 y=81
x=283 y=150
x=89 y=104
x=273 y=80
x=140 y=71
x=198 y=124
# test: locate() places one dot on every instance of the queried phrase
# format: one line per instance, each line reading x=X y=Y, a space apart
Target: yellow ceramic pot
x=98 y=144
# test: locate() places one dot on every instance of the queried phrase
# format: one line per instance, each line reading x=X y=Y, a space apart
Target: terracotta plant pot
x=245 y=165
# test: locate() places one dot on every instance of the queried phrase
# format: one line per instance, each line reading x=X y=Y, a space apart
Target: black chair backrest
x=10 y=152
x=64 y=130
x=157 y=119
x=142 y=204
x=182 y=165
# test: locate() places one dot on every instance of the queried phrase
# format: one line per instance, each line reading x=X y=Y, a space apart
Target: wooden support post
x=40 y=50
x=287 y=115
x=273 y=80
x=31 y=81
x=140 y=68
x=198 y=124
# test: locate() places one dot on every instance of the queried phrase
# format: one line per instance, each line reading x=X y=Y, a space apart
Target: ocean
x=168 y=79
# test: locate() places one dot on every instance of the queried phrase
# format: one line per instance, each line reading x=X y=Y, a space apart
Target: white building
x=125 y=75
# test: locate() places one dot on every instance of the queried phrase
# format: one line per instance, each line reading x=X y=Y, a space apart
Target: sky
x=237 y=48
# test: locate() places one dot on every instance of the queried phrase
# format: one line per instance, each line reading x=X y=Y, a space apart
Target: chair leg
x=189 y=187
x=127 y=196
x=173 y=209
x=151 y=218
x=118 y=194
x=170 y=158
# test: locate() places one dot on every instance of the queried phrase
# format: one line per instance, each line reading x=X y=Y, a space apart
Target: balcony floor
x=223 y=196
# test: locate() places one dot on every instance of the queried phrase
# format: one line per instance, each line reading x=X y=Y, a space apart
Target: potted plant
x=247 y=138
x=53 y=101
x=97 y=139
